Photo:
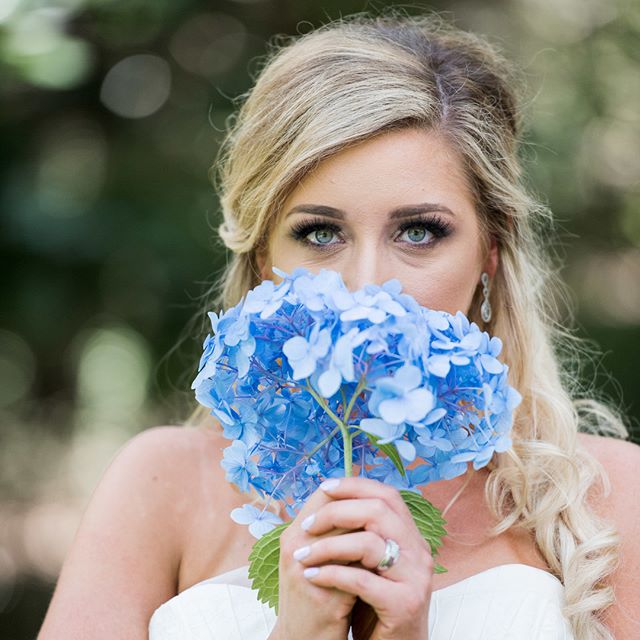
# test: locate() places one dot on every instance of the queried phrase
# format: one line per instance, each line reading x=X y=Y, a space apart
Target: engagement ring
x=391 y=555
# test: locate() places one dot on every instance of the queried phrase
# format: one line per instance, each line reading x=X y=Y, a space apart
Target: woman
x=380 y=147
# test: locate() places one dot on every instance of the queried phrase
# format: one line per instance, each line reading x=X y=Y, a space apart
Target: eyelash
x=435 y=225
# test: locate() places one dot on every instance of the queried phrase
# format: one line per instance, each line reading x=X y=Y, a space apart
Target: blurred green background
x=111 y=113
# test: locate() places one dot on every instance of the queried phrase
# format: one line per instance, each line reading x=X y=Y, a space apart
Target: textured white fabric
x=507 y=602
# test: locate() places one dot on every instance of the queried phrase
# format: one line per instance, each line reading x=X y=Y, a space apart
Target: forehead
x=406 y=166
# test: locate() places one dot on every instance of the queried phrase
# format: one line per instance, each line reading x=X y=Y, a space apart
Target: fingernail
x=308 y=521
x=302 y=552
x=329 y=484
x=311 y=572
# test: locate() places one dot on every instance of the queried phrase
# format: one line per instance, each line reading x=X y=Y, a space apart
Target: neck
x=444 y=493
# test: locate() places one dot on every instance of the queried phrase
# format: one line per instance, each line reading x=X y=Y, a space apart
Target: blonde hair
x=357 y=77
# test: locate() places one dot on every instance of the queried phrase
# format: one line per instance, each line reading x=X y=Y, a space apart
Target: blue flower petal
x=393 y=410
x=295 y=348
x=490 y=364
x=419 y=403
x=408 y=377
x=439 y=366
x=329 y=382
x=245 y=514
x=377 y=427
x=406 y=449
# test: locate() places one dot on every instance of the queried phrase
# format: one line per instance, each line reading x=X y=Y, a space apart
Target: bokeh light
x=17 y=368
x=38 y=48
x=609 y=284
x=72 y=167
x=137 y=86
x=47 y=531
x=568 y=21
x=7 y=8
x=209 y=44
x=113 y=367
x=611 y=152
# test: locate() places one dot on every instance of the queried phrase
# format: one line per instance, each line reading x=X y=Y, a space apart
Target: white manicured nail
x=308 y=521
x=329 y=484
x=311 y=572
x=301 y=553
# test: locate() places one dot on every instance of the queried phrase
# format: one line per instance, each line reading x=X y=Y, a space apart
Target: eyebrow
x=399 y=212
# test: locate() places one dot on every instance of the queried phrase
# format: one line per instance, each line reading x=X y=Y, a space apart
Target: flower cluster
x=309 y=379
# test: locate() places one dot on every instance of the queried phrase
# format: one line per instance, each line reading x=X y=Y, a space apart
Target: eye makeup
x=434 y=225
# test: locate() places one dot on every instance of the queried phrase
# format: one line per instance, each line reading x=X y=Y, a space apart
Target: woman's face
x=395 y=206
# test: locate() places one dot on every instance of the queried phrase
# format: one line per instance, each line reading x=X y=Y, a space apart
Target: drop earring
x=485 y=308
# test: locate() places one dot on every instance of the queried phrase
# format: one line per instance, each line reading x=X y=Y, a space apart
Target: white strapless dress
x=507 y=602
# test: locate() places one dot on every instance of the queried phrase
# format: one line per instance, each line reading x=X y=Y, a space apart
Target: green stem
x=321 y=444
x=361 y=385
x=347 y=435
x=348 y=453
x=325 y=406
x=344 y=404
x=346 y=439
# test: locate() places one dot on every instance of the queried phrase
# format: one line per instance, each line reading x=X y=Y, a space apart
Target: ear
x=491 y=263
x=264 y=265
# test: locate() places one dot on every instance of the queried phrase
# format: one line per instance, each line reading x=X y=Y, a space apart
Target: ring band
x=391 y=555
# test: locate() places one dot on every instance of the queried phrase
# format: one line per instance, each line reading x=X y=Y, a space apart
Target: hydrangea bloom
x=310 y=380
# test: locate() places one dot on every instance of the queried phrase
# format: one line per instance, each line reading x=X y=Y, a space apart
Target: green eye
x=416 y=234
x=323 y=235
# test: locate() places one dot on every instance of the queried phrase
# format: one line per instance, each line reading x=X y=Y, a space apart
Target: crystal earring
x=485 y=308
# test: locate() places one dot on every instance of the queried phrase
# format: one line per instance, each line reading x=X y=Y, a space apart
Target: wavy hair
x=356 y=77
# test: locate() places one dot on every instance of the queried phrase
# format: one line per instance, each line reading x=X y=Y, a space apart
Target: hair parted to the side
x=360 y=76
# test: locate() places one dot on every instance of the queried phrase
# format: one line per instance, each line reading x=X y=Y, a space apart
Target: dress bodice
x=507 y=602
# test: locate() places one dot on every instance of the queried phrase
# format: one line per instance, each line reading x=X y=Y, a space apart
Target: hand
x=305 y=609
x=371 y=512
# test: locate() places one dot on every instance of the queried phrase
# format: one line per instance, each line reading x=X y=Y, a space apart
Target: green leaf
x=264 y=561
x=390 y=450
x=429 y=522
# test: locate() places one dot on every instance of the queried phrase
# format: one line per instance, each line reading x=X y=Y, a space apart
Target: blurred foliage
x=111 y=114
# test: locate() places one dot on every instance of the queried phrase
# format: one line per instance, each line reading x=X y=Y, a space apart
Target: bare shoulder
x=214 y=543
x=604 y=447
x=126 y=554
x=621 y=461
x=183 y=462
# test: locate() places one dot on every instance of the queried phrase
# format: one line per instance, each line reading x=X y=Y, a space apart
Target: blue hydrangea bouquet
x=310 y=381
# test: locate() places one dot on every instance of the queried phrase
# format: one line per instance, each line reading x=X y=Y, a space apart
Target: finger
x=383 y=595
x=370 y=514
x=363 y=546
x=320 y=497
x=313 y=503
x=294 y=535
x=359 y=487
x=316 y=500
x=367 y=549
